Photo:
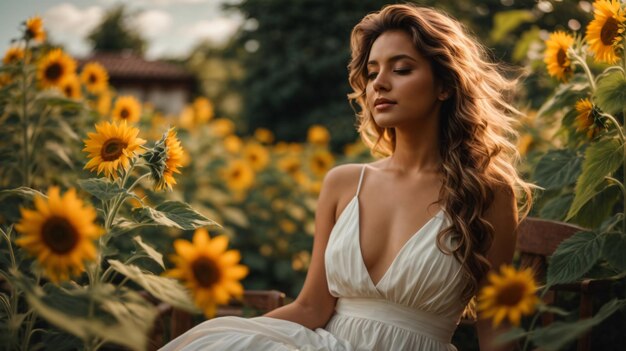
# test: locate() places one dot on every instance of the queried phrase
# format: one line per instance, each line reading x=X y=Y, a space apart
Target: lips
x=382 y=104
x=383 y=101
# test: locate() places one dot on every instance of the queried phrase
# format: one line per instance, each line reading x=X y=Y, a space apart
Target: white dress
x=416 y=305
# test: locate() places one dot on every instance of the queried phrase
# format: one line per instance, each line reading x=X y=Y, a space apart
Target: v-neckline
x=398 y=254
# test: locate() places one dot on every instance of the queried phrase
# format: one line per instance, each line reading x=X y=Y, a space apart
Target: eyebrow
x=393 y=59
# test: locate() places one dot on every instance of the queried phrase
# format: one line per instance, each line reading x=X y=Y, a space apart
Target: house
x=168 y=87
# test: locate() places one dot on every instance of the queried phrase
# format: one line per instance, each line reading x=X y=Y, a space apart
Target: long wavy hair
x=476 y=125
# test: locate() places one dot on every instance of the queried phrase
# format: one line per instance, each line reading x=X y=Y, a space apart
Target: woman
x=433 y=107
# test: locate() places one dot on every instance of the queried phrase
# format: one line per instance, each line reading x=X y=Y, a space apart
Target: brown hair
x=475 y=122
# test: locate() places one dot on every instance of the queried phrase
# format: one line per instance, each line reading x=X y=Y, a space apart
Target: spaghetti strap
x=360 y=181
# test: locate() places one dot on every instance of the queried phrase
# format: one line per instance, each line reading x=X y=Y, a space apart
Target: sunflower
x=264 y=135
x=587 y=120
x=34 y=29
x=95 y=77
x=210 y=271
x=290 y=164
x=127 y=108
x=257 y=155
x=524 y=143
x=555 y=57
x=103 y=103
x=70 y=86
x=202 y=110
x=605 y=31
x=13 y=55
x=173 y=160
x=320 y=162
x=54 y=67
x=222 y=127
x=112 y=147
x=287 y=226
x=233 y=144
x=238 y=175
x=59 y=233
x=318 y=134
x=510 y=294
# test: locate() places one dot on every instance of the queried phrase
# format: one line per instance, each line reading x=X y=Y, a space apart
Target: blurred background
x=258 y=92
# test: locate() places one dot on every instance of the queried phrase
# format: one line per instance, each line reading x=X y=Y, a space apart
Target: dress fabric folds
x=416 y=305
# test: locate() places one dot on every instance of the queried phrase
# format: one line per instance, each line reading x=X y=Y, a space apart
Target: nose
x=381 y=82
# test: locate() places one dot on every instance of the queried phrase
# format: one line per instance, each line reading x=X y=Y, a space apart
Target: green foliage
x=601 y=159
x=557 y=169
x=172 y=214
x=611 y=93
x=114 y=35
x=165 y=289
x=506 y=21
x=574 y=257
x=559 y=334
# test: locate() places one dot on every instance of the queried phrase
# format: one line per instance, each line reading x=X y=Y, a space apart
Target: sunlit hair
x=476 y=124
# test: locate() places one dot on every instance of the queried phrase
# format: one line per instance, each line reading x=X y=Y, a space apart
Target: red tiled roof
x=129 y=66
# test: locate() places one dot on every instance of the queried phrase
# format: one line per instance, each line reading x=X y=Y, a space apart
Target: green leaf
x=558 y=168
x=236 y=216
x=506 y=21
x=559 y=334
x=512 y=334
x=556 y=208
x=598 y=208
x=24 y=192
x=611 y=93
x=552 y=309
x=151 y=252
x=614 y=249
x=60 y=151
x=101 y=188
x=122 y=317
x=574 y=257
x=601 y=160
x=565 y=95
x=172 y=214
x=165 y=289
x=522 y=46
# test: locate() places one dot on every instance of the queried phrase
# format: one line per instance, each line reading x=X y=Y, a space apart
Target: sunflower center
x=609 y=31
x=112 y=149
x=511 y=294
x=53 y=72
x=59 y=235
x=69 y=91
x=205 y=271
x=561 y=58
x=320 y=162
x=236 y=174
x=92 y=78
x=124 y=113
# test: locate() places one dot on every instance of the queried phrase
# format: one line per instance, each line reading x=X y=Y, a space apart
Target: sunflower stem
x=616 y=124
x=137 y=181
x=535 y=317
x=26 y=165
x=585 y=67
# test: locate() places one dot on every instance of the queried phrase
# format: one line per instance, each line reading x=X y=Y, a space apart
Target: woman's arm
x=502 y=214
x=314 y=305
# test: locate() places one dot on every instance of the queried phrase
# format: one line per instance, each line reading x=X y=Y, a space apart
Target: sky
x=171 y=27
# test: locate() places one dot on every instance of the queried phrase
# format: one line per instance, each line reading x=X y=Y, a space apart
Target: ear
x=444 y=92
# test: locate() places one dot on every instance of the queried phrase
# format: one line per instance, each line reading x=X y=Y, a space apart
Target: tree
x=114 y=35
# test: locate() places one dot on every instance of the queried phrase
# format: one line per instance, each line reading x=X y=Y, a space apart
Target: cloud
x=151 y=23
x=66 y=18
x=217 y=30
x=69 y=25
x=158 y=2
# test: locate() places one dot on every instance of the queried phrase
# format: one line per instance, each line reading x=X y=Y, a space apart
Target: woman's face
x=401 y=88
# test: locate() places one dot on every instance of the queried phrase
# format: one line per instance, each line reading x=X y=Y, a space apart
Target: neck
x=417 y=148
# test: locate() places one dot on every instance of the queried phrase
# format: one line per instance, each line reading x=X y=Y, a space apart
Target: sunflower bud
x=156 y=161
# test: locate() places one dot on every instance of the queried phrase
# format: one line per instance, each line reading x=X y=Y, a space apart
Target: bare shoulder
x=339 y=186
